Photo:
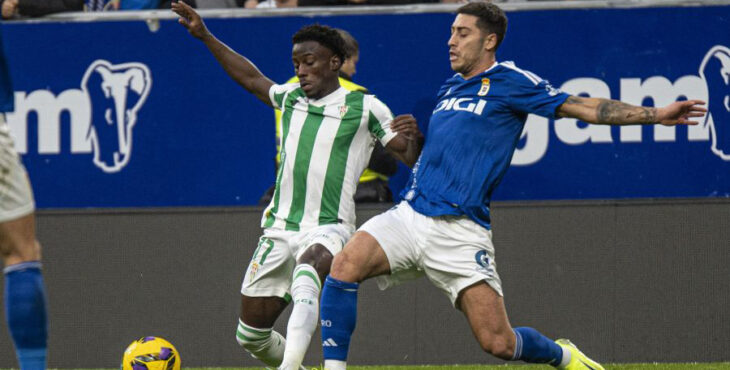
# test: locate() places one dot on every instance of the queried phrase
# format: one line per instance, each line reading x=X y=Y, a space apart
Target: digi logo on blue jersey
x=715 y=71
x=116 y=93
x=462 y=104
x=102 y=114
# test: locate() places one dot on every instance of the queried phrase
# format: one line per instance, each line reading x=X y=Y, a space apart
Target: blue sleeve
x=532 y=95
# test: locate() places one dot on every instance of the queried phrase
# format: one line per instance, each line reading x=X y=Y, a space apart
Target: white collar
x=486 y=70
x=492 y=66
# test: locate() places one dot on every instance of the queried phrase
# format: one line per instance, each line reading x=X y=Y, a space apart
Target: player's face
x=316 y=67
x=467 y=45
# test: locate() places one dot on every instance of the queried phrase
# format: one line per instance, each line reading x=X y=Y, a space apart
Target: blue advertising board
x=114 y=114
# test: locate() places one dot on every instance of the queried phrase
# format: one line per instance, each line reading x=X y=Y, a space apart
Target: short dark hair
x=490 y=18
x=325 y=36
x=352 y=48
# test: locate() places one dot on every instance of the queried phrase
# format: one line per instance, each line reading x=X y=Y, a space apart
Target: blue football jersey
x=6 y=86
x=472 y=134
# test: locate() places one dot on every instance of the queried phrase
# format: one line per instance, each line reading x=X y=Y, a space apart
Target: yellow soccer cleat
x=578 y=361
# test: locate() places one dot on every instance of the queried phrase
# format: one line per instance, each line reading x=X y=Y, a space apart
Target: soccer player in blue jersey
x=442 y=229
x=25 y=302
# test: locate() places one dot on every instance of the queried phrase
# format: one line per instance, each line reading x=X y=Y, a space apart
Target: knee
x=343 y=268
x=15 y=251
x=319 y=257
x=497 y=345
x=362 y=258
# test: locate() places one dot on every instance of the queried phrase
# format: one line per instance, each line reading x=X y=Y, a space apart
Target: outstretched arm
x=406 y=146
x=613 y=112
x=238 y=67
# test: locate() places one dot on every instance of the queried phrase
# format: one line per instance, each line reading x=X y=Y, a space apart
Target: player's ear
x=490 y=42
x=335 y=63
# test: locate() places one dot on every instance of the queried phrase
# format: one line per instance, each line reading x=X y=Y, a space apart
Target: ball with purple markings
x=151 y=353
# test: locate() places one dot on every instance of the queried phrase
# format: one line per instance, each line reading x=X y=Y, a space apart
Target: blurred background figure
x=365 y=2
x=218 y=4
x=107 y=5
x=100 y=5
x=271 y=4
x=12 y=9
x=138 y=4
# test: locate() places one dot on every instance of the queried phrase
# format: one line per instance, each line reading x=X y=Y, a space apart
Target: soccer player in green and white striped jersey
x=328 y=135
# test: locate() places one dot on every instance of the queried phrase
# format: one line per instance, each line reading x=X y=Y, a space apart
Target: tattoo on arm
x=575 y=100
x=616 y=112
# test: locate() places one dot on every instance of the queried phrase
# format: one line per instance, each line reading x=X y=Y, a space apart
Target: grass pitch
x=693 y=366
x=655 y=366
x=710 y=366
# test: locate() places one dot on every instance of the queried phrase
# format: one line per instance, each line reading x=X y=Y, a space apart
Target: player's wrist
x=659 y=114
x=205 y=36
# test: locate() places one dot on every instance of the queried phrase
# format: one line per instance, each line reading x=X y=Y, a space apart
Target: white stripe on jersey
x=530 y=76
x=383 y=114
x=358 y=158
x=318 y=164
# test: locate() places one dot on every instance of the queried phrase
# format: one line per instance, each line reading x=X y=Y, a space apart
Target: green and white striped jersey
x=326 y=145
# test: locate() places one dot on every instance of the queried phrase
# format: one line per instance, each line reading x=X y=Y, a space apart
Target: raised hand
x=680 y=113
x=190 y=19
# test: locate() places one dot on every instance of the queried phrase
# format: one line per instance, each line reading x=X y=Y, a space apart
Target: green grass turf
x=655 y=366
x=692 y=366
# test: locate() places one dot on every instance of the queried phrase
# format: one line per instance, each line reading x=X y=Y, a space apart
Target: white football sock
x=304 y=316
x=266 y=345
x=567 y=356
x=335 y=365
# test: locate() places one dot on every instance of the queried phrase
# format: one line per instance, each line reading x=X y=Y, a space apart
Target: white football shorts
x=269 y=274
x=16 y=195
x=454 y=252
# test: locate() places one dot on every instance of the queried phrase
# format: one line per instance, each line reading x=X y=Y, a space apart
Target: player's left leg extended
x=311 y=269
x=25 y=301
x=361 y=258
x=484 y=309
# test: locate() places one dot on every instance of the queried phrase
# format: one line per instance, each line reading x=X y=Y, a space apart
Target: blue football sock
x=25 y=311
x=536 y=348
x=338 y=312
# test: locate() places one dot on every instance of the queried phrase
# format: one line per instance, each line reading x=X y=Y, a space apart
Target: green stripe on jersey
x=374 y=126
x=332 y=190
x=315 y=115
x=279 y=98
x=289 y=103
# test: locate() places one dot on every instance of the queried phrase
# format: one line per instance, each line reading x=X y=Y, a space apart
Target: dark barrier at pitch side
x=627 y=281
